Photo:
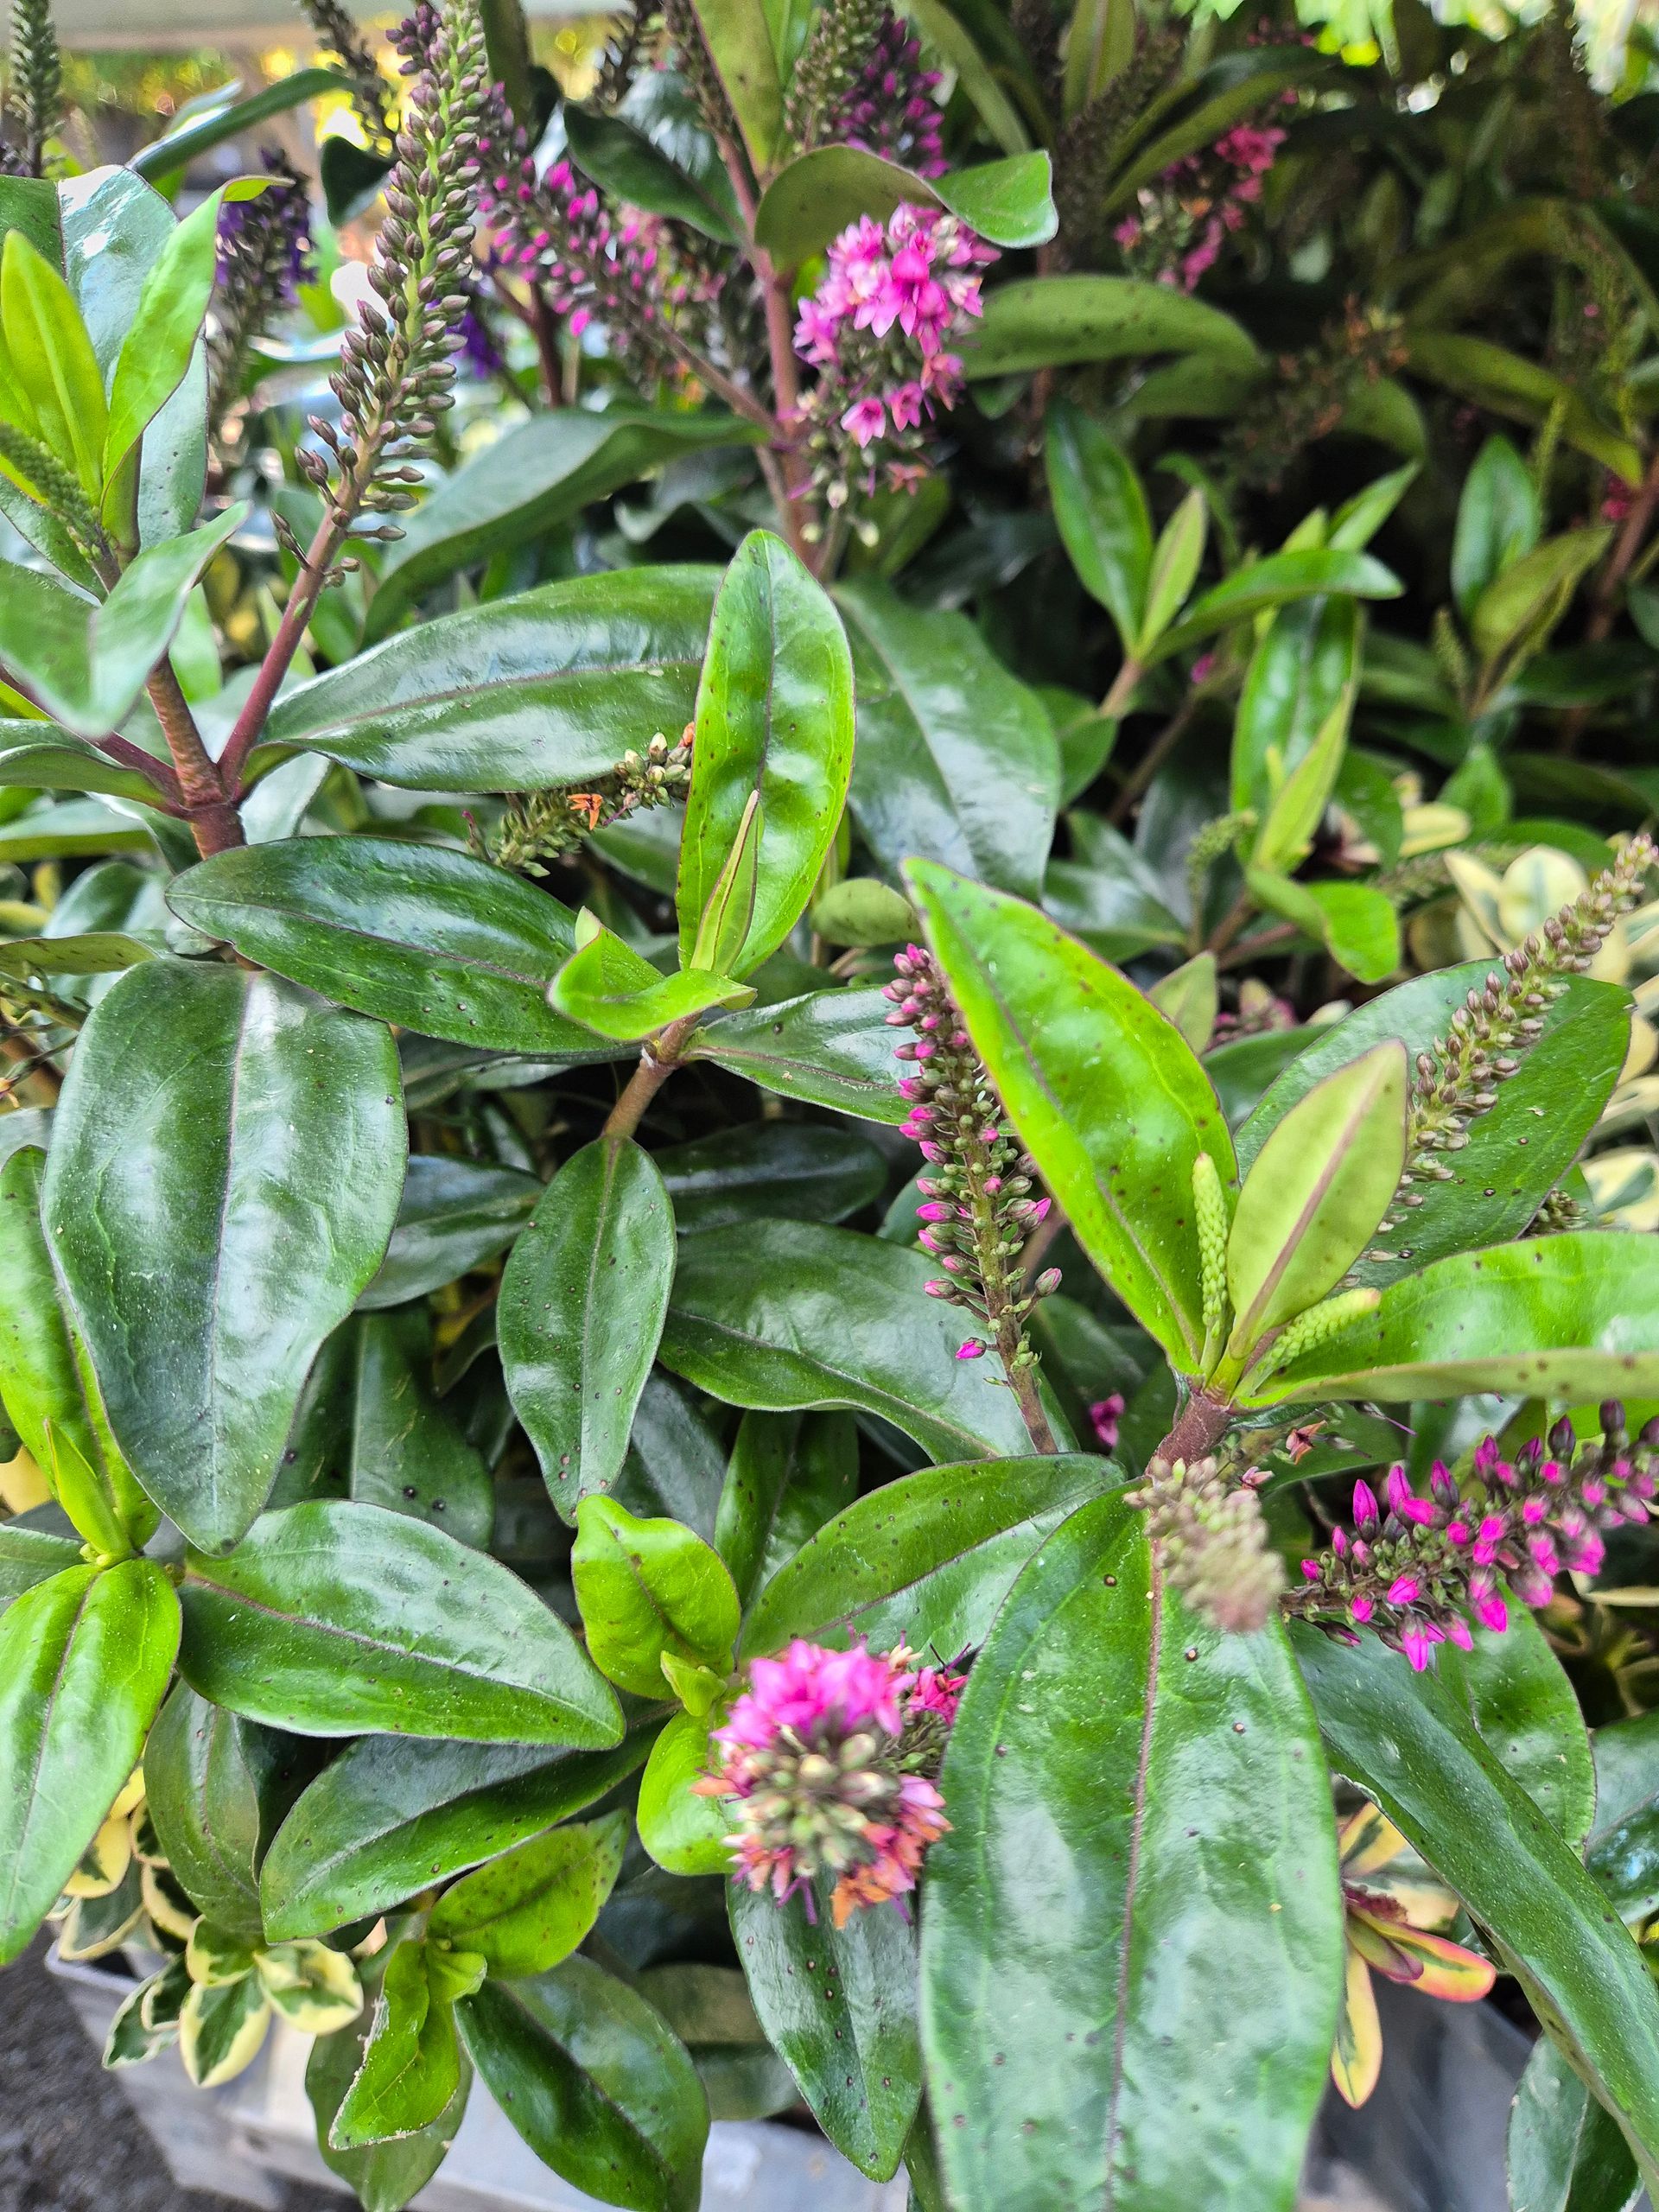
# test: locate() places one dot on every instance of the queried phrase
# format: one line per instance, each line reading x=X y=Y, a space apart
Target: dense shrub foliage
x=827 y=1259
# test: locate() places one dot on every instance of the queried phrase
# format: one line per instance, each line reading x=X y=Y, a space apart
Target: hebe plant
x=772 y=1346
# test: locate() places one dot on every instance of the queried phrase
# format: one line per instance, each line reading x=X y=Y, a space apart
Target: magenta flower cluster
x=830 y=1758
x=892 y=109
x=1186 y=214
x=880 y=330
x=1418 y=1569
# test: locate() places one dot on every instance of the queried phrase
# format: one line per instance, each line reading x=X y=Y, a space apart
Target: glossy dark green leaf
x=788 y=1474
x=1356 y=924
x=838 y=2004
x=1140 y=1864
x=454 y=1216
x=788 y=1315
x=1404 y=1741
x=1523 y=391
x=1052 y=321
x=418 y=934
x=624 y=162
x=582 y=1301
x=87 y=664
x=774 y=717
x=1518 y=1150
x=926 y=1561
x=1110 y=895
x=709 y=2008
x=1573 y=1317
x=596 y=2083
x=412 y=2060
x=1623 y=1847
x=390 y=1817
x=525 y=1911
x=371 y=1427
x=202 y=1790
x=830 y=1048
x=1101 y=513
x=83 y=1663
x=42 y=757
x=227 y=118
x=1275 y=581
x=1498 y=521
x=1299 y=675
x=676 y=1462
x=28 y=1556
x=334 y=1618
x=614 y=992
x=646 y=1588
x=1565 y=2153
x=50 y=1394
x=1515 y=1691
x=550 y=688
x=535 y=476
x=225 y=1162
x=383 y=2176
x=1104 y=1091
x=955 y=758
x=793 y=1171
x=817 y=195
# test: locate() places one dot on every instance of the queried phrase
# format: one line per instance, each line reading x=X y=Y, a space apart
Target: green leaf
x=1175 y=561
x=370 y=1427
x=790 y=1171
x=1516 y=1692
x=333 y=1619
x=202 y=1791
x=50 y=385
x=156 y=351
x=926 y=1561
x=1299 y=675
x=626 y=163
x=84 y=1663
x=955 y=45
x=838 y=2004
x=1235 y=86
x=830 y=1048
x=31 y=1556
x=1624 y=1849
x=1300 y=789
x=87 y=664
x=40 y=757
x=1565 y=2153
x=454 y=1216
x=1519 y=1149
x=614 y=992
x=1282 y=577
x=411 y=2061
x=817 y=195
x=51 y=1394
x=788 y=1474
x=1103 y=1091
x=391 y=1816
x=532 y=478
x=647 y=1587
x=1574 y=1317
x=1524 y=390
x=774 y=718
x=1518 y=609
x=583 y=1297
x=1140 y=1864
x=1499 y=521
x=738 y=42
x=1406 y=1742
x=1110 y=895
x=1357 y=925
x=385 y=2176
x=525 y=1911
x=1101 y=513
x=1188 y=995
x=230 y=117
x=595 y=2082
x=1320 y=1185
x=225 y=1162
x=1054 y=321
x=550 y=688
x=788 y=1315
x=1098 y=46
x=955 y=758
x=683 y=1832
x=29 y=204
x=418 y=934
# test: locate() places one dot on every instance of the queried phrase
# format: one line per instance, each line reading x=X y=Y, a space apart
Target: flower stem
x=657 y=1063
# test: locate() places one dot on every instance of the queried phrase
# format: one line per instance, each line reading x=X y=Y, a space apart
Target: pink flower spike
x=1365 y=1507
x=1398 y=1490
x=972 y=1349
x=1491 y=1612
x=1417 y=1645
x=1360 y=1610
x=1457 y=1631
x=1103 y=1417
x=1402 y=1590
